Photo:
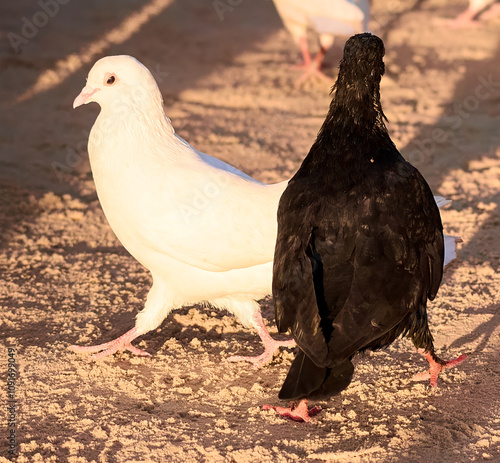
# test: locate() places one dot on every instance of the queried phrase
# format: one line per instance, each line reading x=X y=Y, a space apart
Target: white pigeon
x=205 y=230
x=328 y=18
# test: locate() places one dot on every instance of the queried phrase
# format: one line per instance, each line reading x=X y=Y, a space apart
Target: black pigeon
x=360 y=241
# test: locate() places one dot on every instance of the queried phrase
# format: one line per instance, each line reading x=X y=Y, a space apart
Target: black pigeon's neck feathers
x=354 y=127
x=357 y=90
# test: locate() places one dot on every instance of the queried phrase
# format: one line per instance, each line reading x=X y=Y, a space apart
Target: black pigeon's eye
x=111 y=80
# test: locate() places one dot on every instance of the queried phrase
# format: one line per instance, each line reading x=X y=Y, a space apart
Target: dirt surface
x=229 y=91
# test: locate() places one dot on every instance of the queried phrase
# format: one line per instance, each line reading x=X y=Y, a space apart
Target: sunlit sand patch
x=67 y=66
x=480 y=184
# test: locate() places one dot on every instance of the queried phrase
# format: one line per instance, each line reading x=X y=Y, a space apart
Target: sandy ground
x=228 y=89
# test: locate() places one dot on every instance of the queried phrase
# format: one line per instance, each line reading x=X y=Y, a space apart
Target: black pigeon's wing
x=398 y=265
x=348 y=276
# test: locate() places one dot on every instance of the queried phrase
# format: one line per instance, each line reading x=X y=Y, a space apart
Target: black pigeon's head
x=362 y=61
x=363 y=56
x=357 y=90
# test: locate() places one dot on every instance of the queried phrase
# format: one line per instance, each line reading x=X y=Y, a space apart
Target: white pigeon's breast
x=123 y=189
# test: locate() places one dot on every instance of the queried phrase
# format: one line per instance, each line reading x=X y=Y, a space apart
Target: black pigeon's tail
x=306 y=379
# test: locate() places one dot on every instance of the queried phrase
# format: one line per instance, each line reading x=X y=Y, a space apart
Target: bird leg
x=103 y=350
x=271 y=345
x=304 y=49
x=313 y=69
x=299 y=412
x=436 y=366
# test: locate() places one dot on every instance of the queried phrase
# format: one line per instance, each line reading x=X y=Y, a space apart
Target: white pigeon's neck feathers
x=140 y=109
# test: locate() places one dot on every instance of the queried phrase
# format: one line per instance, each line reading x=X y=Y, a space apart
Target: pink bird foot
x=122 y=343
x=304 y=48
x=436 y=366
x=271 y=346
x=300 y=412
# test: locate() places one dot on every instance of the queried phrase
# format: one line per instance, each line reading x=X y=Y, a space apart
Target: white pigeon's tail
x=450 y=242
x=450 y=248
x=440 y=201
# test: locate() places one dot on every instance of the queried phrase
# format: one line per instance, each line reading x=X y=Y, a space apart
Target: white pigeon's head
x=116 y=81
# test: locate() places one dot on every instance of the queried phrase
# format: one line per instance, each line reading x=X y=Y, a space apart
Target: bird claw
x=123 y=343
x=134 y=350
x=435 y=368
x=271 y=348
x=299 y=412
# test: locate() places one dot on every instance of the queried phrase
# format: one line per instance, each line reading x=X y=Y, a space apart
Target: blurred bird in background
x=328 y=19
x=477 y=10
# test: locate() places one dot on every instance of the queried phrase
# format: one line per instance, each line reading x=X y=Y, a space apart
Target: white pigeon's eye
x=110 y=79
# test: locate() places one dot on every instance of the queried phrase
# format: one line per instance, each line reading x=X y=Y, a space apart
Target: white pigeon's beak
x=84 y=96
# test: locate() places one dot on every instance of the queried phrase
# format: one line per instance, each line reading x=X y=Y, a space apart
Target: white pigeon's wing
x=212 y=218
x=223 y=166
x=450 y=242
